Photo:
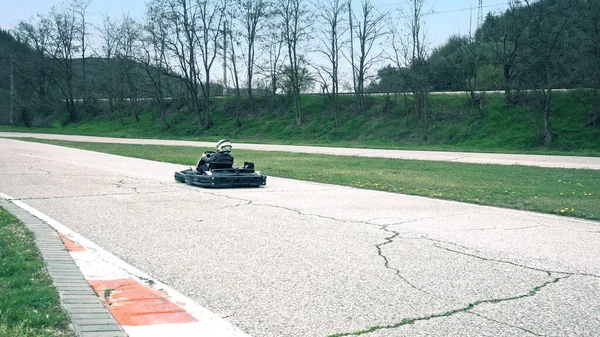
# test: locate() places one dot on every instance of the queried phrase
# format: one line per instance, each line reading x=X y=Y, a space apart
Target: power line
x=465 y=9
x=448 y=11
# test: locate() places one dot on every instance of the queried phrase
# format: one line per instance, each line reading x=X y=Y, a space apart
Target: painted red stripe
x=71 y=245
x=133 y=303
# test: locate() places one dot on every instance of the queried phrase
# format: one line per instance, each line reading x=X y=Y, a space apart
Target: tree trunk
x=297 y=106
x=507 y=90
x=547 y=125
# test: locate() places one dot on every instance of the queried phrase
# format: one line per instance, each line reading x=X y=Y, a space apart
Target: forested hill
x=520 y=48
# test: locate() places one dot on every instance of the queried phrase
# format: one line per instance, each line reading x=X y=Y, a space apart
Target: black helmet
x=224 y=145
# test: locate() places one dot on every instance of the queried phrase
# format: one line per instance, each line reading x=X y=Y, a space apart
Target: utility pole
x=12 y=91
x=225 y=58
x=480 y=14
x=352 y=46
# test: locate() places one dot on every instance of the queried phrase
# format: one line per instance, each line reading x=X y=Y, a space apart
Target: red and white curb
x=143 y=306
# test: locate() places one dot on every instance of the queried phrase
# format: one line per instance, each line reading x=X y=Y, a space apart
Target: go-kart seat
x=222 y=165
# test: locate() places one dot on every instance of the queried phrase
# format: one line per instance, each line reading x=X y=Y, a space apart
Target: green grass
x=29 y=303
x=453 y=125
x=569 y=192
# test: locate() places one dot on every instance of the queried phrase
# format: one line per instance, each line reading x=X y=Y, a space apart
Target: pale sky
x=449 y=16
x=446 y=18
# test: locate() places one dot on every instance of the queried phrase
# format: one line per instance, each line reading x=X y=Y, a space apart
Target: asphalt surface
x=304 y=259
x=459 y=157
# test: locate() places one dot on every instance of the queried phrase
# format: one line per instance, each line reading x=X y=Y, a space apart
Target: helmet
x=224 y=145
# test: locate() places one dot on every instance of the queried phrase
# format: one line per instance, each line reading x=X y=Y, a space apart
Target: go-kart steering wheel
x=208 y=153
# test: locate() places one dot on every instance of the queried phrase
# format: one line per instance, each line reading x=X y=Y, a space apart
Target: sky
x=448 y=17
x=445 y=18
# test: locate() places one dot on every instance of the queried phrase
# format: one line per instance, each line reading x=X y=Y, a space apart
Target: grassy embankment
x=29 y=303
x=571 y=192
x=453 y=125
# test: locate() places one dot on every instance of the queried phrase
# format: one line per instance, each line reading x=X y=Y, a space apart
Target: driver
x=221 y=156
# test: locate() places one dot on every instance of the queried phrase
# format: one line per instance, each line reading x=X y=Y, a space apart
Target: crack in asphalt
x=465 y=309
x=88 y=195
x=378 y=246
x=458 y=158
x=386 y=261
x=548 y=272
x=46 y=172
x=505 y=324
x=499 y=228
x=521 y=228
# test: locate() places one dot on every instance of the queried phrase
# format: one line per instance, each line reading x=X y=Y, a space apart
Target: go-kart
x=221 y=174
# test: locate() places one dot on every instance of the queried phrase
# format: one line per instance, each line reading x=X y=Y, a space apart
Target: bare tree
x=272 y=66
x=409 y=53
x=253 y=17
x=586 y=60
x=232 y=42
x=233 y=62
x=154 y=61
x=211 y=14
x=109 y=40
x=335 y=26
x=368 y=30
x=80 y=9
x=294 y=15
x=63 y=48
x=548 y=41
x=36 y=35
x=129 y=34
x=508 y=49
x=469 y=51
x=182 y=38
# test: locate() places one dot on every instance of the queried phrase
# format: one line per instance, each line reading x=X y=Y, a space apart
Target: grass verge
x=366 y=144
x=569 y=192
x=29 y=303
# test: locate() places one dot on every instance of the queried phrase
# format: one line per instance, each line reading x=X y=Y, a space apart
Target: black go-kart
x=222 y=175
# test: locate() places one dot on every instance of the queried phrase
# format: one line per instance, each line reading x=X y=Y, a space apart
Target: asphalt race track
x=297 y=258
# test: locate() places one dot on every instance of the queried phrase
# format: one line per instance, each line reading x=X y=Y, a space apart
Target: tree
x=468 y=57
x=294 y=17
x=305 y=79
x=211 y=14
x=585 y=60
x=445 y=65
x=109 y=37
x=506 y=36
x=547 y=39
x=272 y=67
x=181 y=43
x=129 y=35
x=334 y=27
x=253 y=16
x=80 y=9
x=63 y=48
x=154 y=61
x=33 y=68
x=409 y=52
x=368 y=30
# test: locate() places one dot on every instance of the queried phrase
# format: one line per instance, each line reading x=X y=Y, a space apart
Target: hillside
x=455 y=126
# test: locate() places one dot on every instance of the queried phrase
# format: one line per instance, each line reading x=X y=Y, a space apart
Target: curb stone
x=106 y=297
x=89 y=317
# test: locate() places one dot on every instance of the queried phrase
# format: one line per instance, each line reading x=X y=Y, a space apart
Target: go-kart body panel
x=224 y=177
